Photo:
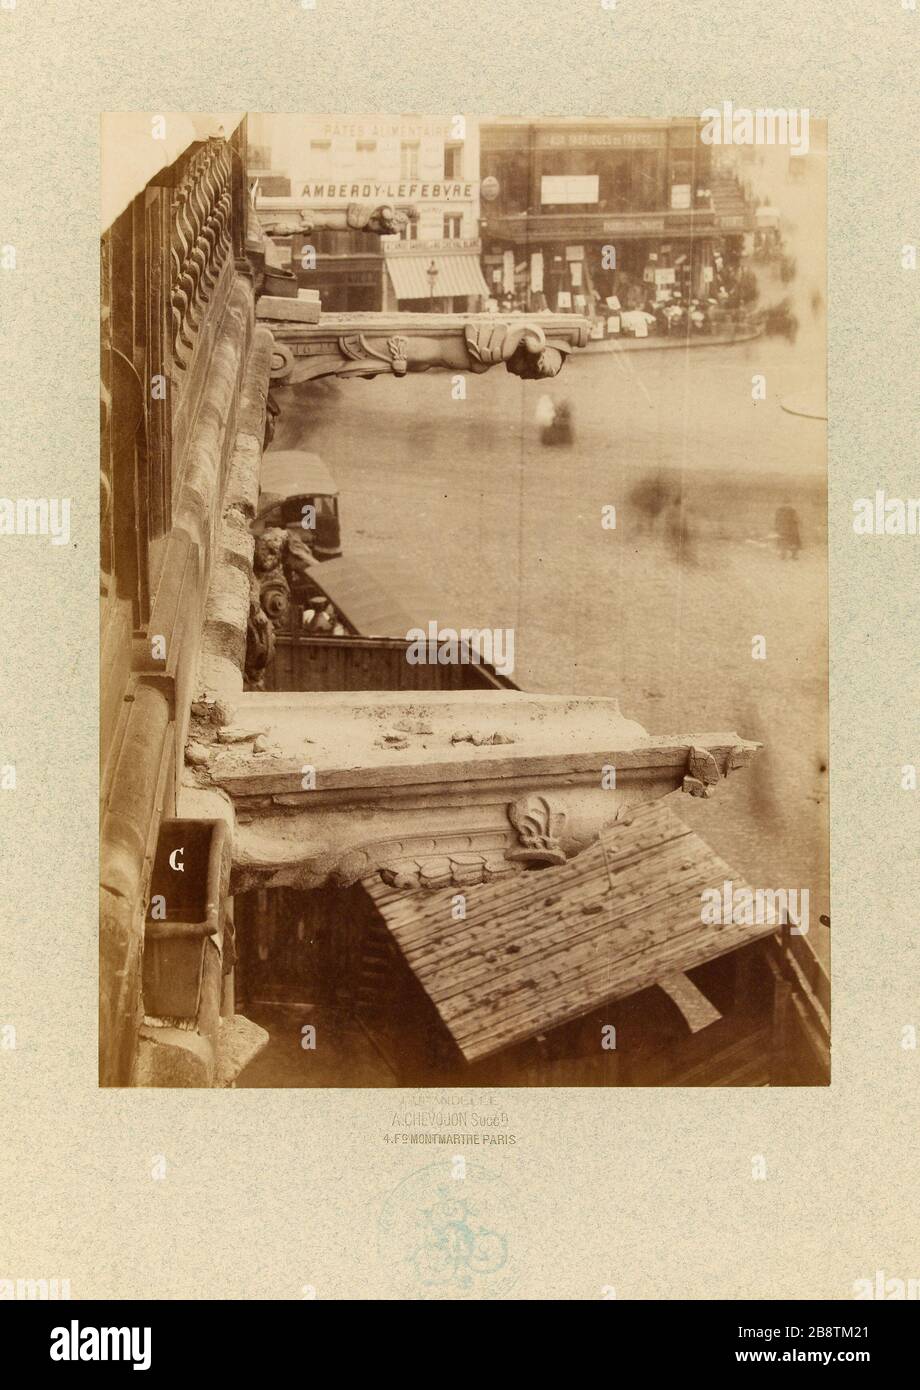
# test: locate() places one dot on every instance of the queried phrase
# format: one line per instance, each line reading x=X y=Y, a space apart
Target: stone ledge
x=223 y=646
x=239 y=1041
x=173 y=1057
x=170 y=1057
x=199 y=495
x=254 y=394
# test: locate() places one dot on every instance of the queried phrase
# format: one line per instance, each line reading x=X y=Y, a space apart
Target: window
x=453 y=226
x=681 y=183
x=453 y=161
x=320 y=159
x=408 y=162
x=568 y=178
x=646 y=180
x=366 y=158
x=408 y=231
x=512 y=170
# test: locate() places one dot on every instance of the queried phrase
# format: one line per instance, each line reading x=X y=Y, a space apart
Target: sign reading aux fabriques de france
x=410 y=191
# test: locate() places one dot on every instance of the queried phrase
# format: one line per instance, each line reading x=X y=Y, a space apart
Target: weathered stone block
x=239 y=1041
x=288 y=310
x=173 y=1057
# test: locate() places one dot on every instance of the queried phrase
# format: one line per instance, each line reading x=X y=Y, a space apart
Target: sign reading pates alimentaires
x=391 y=192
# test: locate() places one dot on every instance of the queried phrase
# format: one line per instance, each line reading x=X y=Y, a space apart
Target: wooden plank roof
x=544 y=946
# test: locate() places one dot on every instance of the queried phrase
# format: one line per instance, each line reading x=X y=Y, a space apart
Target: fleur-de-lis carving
x=399 y=348
x=539 y=826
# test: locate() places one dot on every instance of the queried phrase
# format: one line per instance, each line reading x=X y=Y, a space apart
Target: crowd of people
x=645 y=308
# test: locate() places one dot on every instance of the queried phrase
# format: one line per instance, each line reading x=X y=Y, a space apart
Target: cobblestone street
x=507 y=534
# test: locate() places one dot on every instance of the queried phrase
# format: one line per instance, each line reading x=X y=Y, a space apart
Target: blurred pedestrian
x=650 y=497
x=680 y=532
x=788 y=534
x=544 y=416
x=561 y=429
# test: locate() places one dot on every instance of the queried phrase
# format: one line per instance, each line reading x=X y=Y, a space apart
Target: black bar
x=187 y=1337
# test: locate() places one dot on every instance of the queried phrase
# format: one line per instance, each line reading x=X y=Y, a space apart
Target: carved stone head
x=270 y=548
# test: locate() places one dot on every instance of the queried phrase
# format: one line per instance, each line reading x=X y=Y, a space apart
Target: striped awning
x=458 y=274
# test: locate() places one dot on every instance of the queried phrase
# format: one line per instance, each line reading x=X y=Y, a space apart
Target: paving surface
x=508 y=533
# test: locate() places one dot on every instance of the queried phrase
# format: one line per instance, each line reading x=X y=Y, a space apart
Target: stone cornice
x=530 y=346
x=443 y=787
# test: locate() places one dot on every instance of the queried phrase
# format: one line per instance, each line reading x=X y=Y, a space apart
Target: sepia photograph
x=464 y=601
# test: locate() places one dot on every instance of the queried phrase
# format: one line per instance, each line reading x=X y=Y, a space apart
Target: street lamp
x=432 y=273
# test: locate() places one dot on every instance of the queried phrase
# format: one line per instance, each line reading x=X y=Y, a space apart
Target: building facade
x=427 y=163
x=578 y=211
x=184 y=389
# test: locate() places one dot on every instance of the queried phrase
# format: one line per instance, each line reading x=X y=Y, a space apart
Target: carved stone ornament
x=539 y=827
x=702 y=773
x=319 y=795
x=455 y=870
x=200 y=241
x=296 y=217
x=384 y=220
x=357 y=347
x=521 y=346
x=365 y=344
x=399 y=349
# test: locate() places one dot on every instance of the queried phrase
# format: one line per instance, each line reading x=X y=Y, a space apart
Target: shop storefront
x=443 y=276
x=576 y=266
x=349 y=280
x=424 y=168
x=347 y=284
x=598 y=217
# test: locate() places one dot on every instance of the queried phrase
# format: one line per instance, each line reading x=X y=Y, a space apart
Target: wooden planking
x=545 y=946
x=302 y=662
x=742 y=1062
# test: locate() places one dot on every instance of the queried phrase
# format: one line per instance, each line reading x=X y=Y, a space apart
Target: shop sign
x=599 y=139
x=569 y=188
x=382 y=128
x=332 y=275
x=634 y=224
x=370 y=190
x=395 y=246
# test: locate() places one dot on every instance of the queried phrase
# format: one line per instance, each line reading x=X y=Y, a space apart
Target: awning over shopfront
x=377 y=597
x=458 y=275
x=538 y=948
